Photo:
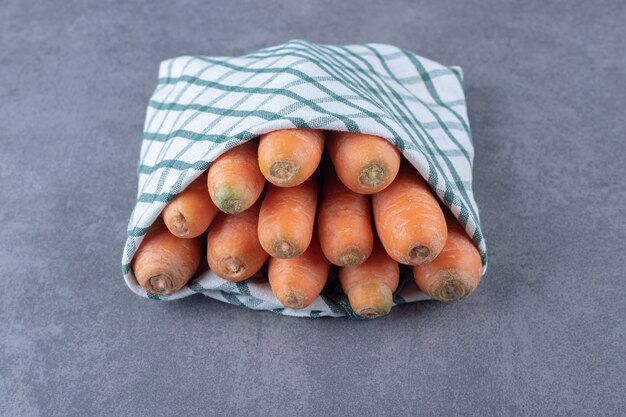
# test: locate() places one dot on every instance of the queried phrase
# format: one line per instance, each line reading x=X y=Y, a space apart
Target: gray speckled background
x=544 y=335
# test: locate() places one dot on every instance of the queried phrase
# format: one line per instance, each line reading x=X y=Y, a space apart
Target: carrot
x=344 y=223
x=370 y=286
x=296 y=282
x=233 y=249
x=366 y=164
x=288 y=157
x=286 y=219
x=164 y=263
x=409 y=220
x=455 y=273
x=234 y=180
x=191 y=212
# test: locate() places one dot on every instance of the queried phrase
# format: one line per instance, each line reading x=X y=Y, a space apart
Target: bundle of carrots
x=358 y=206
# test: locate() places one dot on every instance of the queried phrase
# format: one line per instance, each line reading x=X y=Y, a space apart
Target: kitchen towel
x=203 y=106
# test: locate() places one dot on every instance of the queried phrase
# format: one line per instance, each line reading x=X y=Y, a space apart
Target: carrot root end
x=229 y=200
x=371 y=313
x=452 y=288
x=282 y=171
x=160 y=284
x=178 y=224
x=372 y=175
x=283 y=249
x=231 y=267
x=351 y=257
x=419 y=254
x=232 y=206
x=291 y=299
x=371 y=300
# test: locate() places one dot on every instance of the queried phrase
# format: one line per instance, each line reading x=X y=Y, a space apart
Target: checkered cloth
x=204 y=106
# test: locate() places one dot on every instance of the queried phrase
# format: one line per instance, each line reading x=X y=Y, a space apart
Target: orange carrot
x=344 y=223
x=288 y=157
x=296 y=282
x=455 y=273
x=409 y=220
x=366 y=164
x=164 y=263
x=370 y=286
x=233 y=249
x=286 y=219
x=234 y=180
x=191 y=212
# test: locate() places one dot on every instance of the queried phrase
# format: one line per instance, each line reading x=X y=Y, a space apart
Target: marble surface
x=545 y=334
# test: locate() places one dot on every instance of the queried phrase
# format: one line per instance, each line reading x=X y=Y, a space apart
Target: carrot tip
x=177 y=224
x=291 y=299
x=419 y=254
x=351 y=257
x=228 y=200
x=231 y=266
x=372 y=175
x=371 y=300
x=453 y=288
x=232 y=206
x=282 y=171
x=371 y=313
x=283 y=249
x=160 y=284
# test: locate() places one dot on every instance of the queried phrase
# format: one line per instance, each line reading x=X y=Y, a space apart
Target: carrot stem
x=297 y=281
x=409 y=220
x=288 y=157
x=344 y=223
x=455 y=272
x=370 y=285
x=366 y=164
x=164 y=263
x=233 y=249
x=191 y=212
x=287 y=218
x=234 y=180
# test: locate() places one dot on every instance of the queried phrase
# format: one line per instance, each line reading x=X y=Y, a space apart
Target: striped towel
x=204 y=106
